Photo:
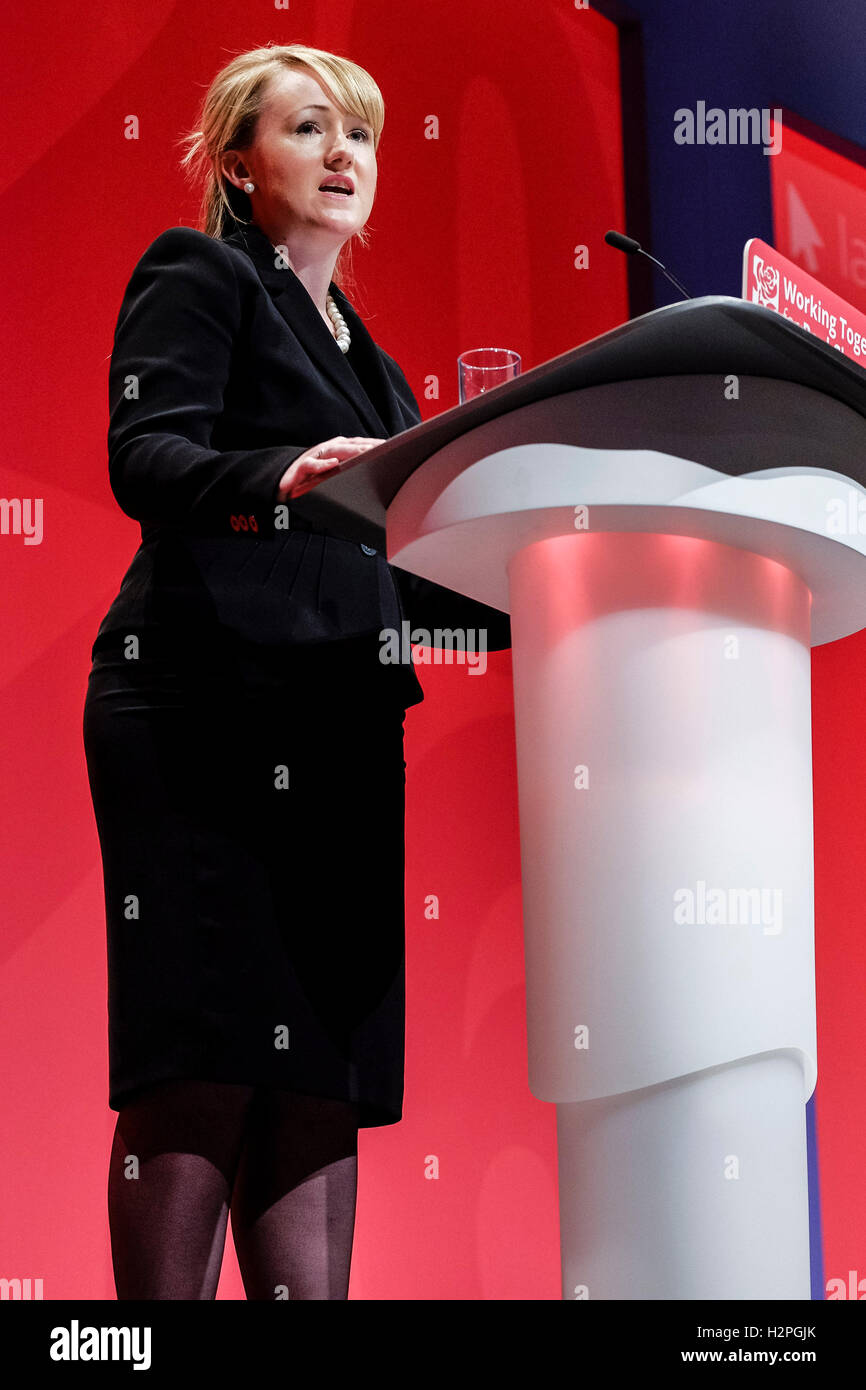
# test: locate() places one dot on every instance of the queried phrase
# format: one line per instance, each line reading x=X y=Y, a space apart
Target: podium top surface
x=714 y=335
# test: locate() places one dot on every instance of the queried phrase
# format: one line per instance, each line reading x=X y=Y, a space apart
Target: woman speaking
x=244 y=742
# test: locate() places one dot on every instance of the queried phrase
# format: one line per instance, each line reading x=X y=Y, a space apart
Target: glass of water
x=480 y=369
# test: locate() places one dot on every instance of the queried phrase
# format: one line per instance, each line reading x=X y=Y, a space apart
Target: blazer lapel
x=291 y=297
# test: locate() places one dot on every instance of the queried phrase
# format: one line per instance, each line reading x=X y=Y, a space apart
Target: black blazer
x=222 y=373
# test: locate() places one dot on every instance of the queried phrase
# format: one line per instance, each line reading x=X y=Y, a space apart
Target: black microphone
x=632 y=248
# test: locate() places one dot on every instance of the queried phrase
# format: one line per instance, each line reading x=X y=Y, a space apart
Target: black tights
x=284 y=1164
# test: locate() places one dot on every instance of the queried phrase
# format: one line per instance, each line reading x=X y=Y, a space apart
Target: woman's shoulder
x=186 y=247
x=186 y=241
x=192 y=262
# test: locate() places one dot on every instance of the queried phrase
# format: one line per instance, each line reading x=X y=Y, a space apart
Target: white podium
x=673 y=516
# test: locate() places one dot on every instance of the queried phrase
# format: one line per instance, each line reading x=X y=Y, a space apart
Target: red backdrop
x=473 y=240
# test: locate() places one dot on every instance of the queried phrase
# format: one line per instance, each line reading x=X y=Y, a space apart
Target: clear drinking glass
x=480 y=369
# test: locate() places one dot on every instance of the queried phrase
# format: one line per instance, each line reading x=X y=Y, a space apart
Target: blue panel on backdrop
x=816 y=1244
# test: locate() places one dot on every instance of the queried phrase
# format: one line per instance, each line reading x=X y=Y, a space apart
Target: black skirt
x=250 y=809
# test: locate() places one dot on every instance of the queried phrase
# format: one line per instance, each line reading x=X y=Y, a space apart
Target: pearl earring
x=248 y=187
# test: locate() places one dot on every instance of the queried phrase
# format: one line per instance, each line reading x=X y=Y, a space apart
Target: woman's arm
x=173 y=343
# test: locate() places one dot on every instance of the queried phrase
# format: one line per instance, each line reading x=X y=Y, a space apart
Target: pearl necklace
x=341 y=328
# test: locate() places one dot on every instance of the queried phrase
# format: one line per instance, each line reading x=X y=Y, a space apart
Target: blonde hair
x=229 y=116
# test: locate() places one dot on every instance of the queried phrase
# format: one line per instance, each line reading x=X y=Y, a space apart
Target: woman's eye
x=311 y=125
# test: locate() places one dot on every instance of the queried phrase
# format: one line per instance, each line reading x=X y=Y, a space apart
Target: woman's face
x=302 y=140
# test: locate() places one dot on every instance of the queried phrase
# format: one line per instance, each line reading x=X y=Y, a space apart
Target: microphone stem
x=673 y=279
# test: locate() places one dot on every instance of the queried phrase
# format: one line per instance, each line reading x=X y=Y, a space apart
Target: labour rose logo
x=765 y=289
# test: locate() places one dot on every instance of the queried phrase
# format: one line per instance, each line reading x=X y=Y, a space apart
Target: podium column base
x=693 y=1189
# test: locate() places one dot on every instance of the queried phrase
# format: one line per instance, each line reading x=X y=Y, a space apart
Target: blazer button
x=368 y=549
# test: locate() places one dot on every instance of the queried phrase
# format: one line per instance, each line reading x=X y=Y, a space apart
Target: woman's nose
x=341 y=145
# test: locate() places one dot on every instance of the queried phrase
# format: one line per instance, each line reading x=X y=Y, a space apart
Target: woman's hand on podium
x=322 y=461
